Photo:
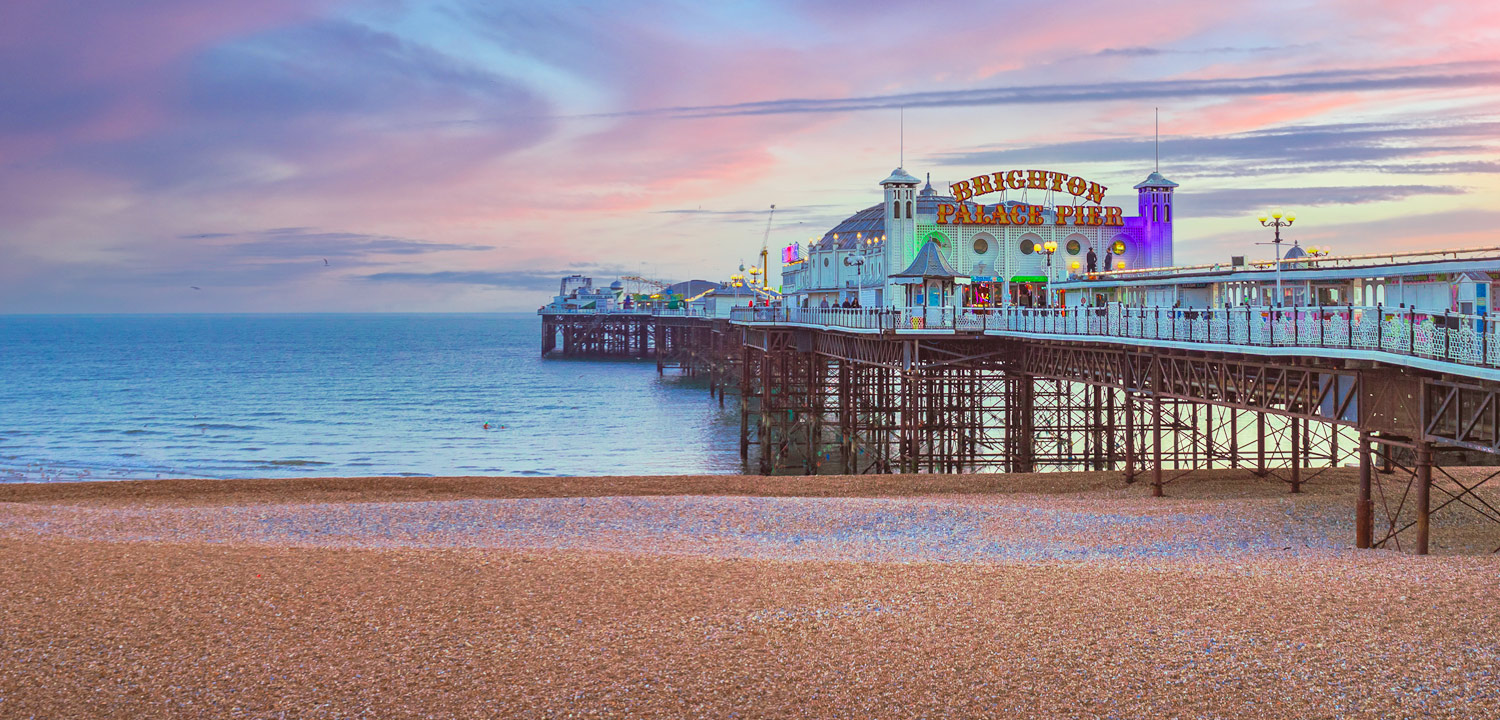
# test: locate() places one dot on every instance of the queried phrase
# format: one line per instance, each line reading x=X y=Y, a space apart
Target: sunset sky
x=462 y=155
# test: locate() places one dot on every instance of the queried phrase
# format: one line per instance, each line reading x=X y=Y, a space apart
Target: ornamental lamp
x=1263 y=218
x=1277 y=214
x=1290 y=218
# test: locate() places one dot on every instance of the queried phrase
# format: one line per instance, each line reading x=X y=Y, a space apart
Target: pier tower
x=900 y=224
x=1154 y=205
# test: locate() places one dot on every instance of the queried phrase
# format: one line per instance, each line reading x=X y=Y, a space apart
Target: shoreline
x=703 y=596
x=1194 y=483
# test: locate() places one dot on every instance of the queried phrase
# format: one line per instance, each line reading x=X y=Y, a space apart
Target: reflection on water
x=263 y=396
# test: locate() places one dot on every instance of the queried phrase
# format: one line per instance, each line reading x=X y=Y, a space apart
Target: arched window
x=1168 y=211
x=896 y=209
x=908 y=208
x=1155 y=214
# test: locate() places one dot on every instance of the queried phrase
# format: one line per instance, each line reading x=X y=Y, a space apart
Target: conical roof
x=929 y=263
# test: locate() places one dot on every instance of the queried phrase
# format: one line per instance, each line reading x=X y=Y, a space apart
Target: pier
x=1147 y=392
x=682 y=341
x=1151 y=393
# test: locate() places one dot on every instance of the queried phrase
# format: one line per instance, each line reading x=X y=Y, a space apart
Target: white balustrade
x=1452 y=337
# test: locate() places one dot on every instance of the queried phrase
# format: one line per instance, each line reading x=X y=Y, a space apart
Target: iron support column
x=1364 y=510
x=1130 y=463
x=1156 y=483
x=1296 y=455
x=1424 y=495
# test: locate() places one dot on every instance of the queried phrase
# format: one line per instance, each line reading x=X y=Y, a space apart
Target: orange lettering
x=1096 y=193
x=1063 y=213
x=1014 y=180
x=1033 y=214
x=960 y=190
x=944 y=212
x=1036 y=179
x=1094 y=218
x=982 y=185
x=1112 y=217
x=1001 y=216
x=1057 y=180
x=1077 y=186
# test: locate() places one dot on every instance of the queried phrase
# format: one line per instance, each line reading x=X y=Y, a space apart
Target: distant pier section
x=683 y=326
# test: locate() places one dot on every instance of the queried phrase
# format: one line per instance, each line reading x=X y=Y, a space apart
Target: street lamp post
x=858 y=263
x=1278 y=223
x=1049 y=247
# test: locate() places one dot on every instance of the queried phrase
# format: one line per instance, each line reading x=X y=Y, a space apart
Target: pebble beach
x=1068 y=595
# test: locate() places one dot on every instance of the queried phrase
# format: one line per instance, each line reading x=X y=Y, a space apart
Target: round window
x=1118 y=248
x=980 y=246
x=825 y=262
x=1027 y=247
x=1074 y=247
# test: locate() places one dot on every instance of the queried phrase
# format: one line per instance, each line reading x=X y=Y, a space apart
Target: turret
x=1154 y=206
x=900 y=222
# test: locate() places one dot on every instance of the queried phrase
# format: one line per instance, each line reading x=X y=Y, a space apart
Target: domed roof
x=1155 y=180
x=1295 y=252
x=899 y=176
x=690 y=288
x=616 y=285
x=869 y=222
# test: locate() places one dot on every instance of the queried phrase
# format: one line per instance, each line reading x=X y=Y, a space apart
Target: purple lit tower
x=1153 y=223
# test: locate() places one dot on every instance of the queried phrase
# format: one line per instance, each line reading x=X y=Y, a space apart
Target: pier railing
x=659 y=312
x=1452 y=337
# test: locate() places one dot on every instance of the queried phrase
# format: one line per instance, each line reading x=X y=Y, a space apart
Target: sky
x=462 y=155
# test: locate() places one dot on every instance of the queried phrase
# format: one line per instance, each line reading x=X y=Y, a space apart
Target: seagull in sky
x=325 y=262
x=195 y=287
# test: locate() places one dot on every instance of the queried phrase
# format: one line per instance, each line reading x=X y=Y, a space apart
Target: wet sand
x=1021 y=596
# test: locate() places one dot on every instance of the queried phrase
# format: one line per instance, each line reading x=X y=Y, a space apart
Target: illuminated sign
x=999 y=214
x=791 y=254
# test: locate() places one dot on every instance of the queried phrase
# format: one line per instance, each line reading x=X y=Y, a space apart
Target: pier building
x=986 y=339
x=1007 y=236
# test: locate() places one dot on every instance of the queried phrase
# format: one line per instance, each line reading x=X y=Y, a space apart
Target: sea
x=100 y=397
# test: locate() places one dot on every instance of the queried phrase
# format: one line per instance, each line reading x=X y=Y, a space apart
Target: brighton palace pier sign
x=978 y=214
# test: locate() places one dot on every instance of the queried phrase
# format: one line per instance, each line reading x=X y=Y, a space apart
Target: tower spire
x=1158 y=139
x=902 y=159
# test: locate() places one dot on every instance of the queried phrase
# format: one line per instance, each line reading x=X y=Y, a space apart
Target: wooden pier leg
x=1424 y=495
x=1111 y=444
x=814 y=379
x=1296 y=455
x=1096 y=436
x=1156 y=481
x=1026 y=414
x=1208 y=436
x=1130 y=459
x=768 y=387
x=1364 y=509
x=1234 y=438
x=1260 y=443
x=745 y=404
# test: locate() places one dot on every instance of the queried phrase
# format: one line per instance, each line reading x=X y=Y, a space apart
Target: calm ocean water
x=223 y=396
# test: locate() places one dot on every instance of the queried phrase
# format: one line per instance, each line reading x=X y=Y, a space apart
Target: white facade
x=1005 y=262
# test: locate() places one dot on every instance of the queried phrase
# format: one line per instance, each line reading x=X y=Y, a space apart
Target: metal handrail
x=1464 y=339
